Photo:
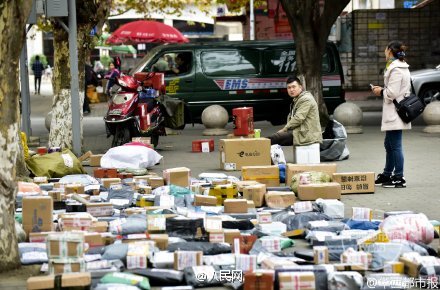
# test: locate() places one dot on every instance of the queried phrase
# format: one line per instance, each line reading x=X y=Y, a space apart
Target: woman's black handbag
x=410 y=107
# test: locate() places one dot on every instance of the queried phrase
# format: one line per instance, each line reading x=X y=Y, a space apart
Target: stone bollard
x=48 y=120
x=431 y=116
x=349 y=115
x=215 y=118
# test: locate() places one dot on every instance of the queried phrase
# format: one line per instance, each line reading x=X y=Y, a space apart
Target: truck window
x=283 y=61
x=230 y=62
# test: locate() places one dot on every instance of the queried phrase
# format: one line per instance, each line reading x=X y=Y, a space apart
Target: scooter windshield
x=119 y=98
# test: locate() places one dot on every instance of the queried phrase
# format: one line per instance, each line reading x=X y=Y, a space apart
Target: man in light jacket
x=303 y=119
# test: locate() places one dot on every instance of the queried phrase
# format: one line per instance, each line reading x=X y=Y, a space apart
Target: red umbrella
x=143 y=31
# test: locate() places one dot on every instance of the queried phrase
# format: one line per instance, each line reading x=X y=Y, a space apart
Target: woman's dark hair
x=291 y=79
x=397 y=49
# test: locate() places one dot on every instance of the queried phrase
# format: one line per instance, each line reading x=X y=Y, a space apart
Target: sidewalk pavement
x=42 y=104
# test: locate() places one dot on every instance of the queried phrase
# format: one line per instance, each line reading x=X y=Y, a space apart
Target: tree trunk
x=61 y=126
x=89 y=13
x=311 y=26
x=13 y=16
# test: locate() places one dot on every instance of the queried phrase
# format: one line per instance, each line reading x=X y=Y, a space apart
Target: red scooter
x=134 y=109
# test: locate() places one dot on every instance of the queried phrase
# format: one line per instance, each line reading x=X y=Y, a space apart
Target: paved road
x=422 y=161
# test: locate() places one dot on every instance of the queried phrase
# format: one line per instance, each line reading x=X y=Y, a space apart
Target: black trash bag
x=124 y=192
x=333 y=146
x=297 y=221
x=242 y=225
x=203 y=276
x=207 y=248
x=161 y=277
x=187 y=229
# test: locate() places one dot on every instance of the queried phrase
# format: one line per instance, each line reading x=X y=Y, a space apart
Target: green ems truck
x=238 y=74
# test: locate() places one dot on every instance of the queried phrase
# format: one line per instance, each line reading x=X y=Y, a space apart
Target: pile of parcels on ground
x=133 y=229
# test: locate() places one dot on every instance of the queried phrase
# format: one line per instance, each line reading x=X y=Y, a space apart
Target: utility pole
x=74 y=86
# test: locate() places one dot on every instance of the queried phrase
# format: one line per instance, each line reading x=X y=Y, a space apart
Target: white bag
x=130 y=156
x=277 y=154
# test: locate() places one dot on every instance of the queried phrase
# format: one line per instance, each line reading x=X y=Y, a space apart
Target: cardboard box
x=125 y=175
x=232 y=136
x=75 y=221
x=361 y=258
x=204 y=200
x=99 y=209
x=203 y=145
x=179 y=176
x=40 y=179
x=250 y=204
x=56 y=195
x=106 y=182
x=245 y=263
x=320 y=255
x=259 y=280
x=65 y=245
x=216 y=237
x=349 y=267
x=95 y=160
x=105 y=172
x=156 y=223
x=355 y=182
x=292 y=169
x=411 y=268
x=94 y=239
x=244 y=183
x=393 y=267
x=235 y=206
x=39 y=237
x=57 y=267
x=100 y=227
x=85 y=156
x=280 y=199
x=231 y=235
x=156 y=182
x=161 y=240
x=313 y=191
x=67 y=280
x=236 y=153
x=74 y=188
x=272 y=263
x=268 y=175
x=297 y=280
x=255 y=193
x=213 y=224
x=37 y=214
x=222 y=192
x=183 y=259
x=264 y=217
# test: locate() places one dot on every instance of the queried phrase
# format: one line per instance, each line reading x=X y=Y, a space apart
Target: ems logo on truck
x=250 y=84
x=232 y=84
